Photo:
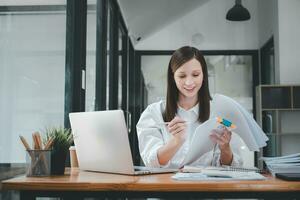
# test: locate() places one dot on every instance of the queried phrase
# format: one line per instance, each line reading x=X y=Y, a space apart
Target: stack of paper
x=218 y=175
x=283 y=164
x=224 y=168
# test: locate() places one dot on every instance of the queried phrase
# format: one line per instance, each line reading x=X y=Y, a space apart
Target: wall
x=268 y=20
x=268 y=27
x=280 y=18
x=201 y=28
x=206 y=28
x=289 y=41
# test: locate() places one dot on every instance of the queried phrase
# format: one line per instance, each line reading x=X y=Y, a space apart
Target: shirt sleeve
x=150 y=137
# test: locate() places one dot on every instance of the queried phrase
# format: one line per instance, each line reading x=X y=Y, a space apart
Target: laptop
x=102 y=143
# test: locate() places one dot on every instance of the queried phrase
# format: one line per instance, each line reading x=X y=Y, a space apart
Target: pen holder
x=38 y=162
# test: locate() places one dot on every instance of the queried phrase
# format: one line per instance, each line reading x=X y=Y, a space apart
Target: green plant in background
x=62 y=138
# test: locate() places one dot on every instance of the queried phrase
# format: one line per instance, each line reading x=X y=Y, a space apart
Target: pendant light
x=238 y=12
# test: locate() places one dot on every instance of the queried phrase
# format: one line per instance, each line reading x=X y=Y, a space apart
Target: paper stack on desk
x=218 y=175
x=283 y=164
x=224 y=168
x=191 y=173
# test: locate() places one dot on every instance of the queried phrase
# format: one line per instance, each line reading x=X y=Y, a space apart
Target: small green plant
x=62 y=138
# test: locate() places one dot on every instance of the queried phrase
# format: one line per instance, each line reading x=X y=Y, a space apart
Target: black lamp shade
x=238 y=12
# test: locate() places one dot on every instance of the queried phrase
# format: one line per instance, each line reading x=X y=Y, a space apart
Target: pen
x=167 y=123
x=159 y=125
x=163 y=123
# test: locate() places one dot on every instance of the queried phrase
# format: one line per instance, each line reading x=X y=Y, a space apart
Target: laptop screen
x=101 y=141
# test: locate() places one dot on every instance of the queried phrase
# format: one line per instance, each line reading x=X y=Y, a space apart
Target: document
x=201 y=143
x=283 y=164
x=227 y=108
x=247 y=128
x=279 y=159
x=218 y=175
x=224 y=168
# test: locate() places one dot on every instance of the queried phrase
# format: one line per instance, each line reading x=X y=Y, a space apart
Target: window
x=32 y=74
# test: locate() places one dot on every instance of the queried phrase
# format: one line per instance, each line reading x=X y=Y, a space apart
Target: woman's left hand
x=222 y=137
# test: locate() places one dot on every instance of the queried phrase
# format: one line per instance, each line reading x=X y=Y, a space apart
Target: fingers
x=175 y=121
x=221 y=136
x=227 y=134
x=216 y=138
x=177 y=126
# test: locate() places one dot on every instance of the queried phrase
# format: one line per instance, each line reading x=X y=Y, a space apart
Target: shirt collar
x=194 y=109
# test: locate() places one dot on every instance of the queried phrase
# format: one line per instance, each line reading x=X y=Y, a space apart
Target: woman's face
x=188 y=78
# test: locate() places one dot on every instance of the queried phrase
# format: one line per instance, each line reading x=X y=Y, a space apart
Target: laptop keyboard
x=141 y=168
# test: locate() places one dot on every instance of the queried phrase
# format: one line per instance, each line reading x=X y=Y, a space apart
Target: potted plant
x=62 y=140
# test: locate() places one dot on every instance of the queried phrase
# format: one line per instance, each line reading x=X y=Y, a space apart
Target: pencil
x=26 y=145
x=35 y=142
x=49 y=143
x=39 y=140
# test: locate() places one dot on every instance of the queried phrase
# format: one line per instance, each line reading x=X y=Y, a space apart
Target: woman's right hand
x=177 y=127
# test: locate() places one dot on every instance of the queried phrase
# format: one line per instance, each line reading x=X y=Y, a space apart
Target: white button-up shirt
x=153 y=134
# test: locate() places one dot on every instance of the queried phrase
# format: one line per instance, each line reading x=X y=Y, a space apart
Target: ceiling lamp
x=238 y=12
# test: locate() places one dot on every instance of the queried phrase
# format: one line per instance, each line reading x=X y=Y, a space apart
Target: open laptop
x=102 y=143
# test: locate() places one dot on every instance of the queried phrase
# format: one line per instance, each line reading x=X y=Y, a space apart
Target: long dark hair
x=179 y=57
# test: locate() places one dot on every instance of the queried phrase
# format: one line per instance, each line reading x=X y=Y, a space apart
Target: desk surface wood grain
x=76 y=180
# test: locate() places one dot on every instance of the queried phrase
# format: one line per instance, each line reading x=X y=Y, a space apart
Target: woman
x=165 y=128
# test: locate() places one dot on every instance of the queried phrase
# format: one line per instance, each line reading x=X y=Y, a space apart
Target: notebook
x=225 y=168
x=218 y=175
x=102 y=144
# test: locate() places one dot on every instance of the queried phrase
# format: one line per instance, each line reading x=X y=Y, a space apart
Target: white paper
x=247 y=128
x=201 y=143
x=283 y=164
x=218 y=175
x=278 y=158
x=229 y=109
x=257 y=132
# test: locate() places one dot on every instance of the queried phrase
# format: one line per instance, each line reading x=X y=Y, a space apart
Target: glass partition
x=32 y=74
x=91 y=57
x=108 y=57
x=229 y=75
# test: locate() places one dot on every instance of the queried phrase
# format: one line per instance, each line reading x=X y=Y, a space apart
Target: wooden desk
x=77 y=184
